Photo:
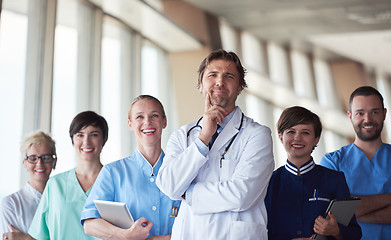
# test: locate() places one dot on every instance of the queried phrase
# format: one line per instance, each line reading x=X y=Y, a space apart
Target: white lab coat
x=227 y=202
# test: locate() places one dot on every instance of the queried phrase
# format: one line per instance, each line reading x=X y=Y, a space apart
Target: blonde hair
x=142 y=97
x=38 y=138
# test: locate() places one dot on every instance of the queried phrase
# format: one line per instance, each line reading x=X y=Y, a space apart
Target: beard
x=223 y=101
x=364 y=136
x=219 y=101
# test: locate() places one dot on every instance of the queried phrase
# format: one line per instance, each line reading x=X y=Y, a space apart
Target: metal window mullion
x=83 y=59
x=96 y=61
x=39 y=65
x=47 y=67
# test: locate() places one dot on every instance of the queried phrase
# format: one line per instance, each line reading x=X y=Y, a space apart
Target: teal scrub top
x=58 y=213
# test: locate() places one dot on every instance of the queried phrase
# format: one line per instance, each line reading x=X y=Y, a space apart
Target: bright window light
x=13 y=41
x=111 y=98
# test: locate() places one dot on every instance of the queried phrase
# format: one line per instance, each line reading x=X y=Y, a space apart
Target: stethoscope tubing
x=229 y=144
x=197 y=125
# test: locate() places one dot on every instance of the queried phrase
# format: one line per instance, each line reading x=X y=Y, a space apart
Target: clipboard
x=116 y=213
x=343 y=210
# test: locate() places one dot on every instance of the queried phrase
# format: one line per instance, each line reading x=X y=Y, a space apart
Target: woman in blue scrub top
x=300 y=191
x=132 y=180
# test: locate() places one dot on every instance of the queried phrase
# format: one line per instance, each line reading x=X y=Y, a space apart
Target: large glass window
x=228 y=37
x=13 y=41
x=156 y=82
x=111 y=84
x=150 y=75
x=99 y=64
x=116 y=94
x=64 y=82
x=253 y=56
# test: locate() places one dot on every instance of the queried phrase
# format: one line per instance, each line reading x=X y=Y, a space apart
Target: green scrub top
x=58 y=213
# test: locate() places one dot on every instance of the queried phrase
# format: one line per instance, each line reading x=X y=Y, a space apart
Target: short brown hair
x=89 y=118
x=296 y=115
x=365 y=91
x=223 y=55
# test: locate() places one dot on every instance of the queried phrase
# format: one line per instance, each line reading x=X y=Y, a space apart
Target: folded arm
x=102 y=229
x=180 y=166
x=248 y=183
x=375 y=209
x=16 y=234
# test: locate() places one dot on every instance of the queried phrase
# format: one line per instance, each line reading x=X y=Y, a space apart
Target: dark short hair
x=142 y=97
x=89 y=118
x=223 y=55
x=365 y=91
x=296 y=115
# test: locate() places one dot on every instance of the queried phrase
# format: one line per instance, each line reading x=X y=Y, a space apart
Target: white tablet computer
x=116 y=213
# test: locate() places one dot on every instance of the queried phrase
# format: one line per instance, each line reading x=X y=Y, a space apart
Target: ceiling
x=150 y=23
x=355 y=29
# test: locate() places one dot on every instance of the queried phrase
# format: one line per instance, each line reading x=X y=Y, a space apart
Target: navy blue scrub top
x=296 y=197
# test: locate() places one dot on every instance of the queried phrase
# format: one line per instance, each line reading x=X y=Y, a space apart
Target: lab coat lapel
x=229 y=130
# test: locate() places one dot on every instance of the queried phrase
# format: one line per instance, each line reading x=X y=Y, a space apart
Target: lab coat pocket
x=227 y=168
x=247 y=231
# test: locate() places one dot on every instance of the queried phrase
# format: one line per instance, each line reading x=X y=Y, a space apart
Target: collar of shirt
x=308 y=166
x=226 y=120
x=73 y=190
x=34 y=192
x=146 y=167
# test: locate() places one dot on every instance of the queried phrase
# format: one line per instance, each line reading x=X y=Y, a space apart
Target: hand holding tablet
x=342 y=209
x=116 y=213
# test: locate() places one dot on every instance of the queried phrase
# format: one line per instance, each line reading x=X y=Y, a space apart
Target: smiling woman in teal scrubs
x=58 y=213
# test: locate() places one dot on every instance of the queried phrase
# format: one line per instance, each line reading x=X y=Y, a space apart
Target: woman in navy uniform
x=300 y=191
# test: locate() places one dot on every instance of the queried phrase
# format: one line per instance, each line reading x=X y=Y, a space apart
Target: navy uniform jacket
x=294 y=200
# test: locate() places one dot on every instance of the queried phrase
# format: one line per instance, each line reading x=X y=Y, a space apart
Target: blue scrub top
x=364 y=177
x=132 y=180
x=296 y=197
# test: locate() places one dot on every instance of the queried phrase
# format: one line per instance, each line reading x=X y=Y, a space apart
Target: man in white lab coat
x=222 y=184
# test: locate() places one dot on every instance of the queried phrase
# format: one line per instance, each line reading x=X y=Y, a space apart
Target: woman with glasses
x=58 y=213
x=17 y=210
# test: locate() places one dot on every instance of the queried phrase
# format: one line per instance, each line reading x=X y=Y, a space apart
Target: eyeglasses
x=47 y=158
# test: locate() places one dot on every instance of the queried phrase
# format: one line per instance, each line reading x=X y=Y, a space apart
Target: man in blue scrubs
x=366 y=163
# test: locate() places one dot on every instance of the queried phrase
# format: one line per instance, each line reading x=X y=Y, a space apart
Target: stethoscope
x=229 y=144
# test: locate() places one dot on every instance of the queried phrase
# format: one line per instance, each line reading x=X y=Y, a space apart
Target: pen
x=314 y=193
x=174 y=212
x=317 y=193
